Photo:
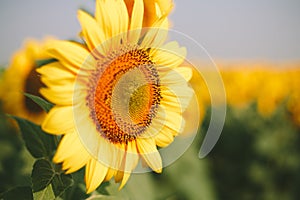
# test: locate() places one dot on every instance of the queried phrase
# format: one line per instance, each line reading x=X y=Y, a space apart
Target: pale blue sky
x=231 y=29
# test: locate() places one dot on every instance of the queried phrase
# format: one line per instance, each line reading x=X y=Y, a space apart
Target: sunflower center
x=124 y=95
x=32 y=86
x=138 y=101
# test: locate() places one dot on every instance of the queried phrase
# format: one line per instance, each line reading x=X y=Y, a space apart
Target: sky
x=228 y=30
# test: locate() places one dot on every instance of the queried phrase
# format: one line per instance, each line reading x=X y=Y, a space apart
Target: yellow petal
x=185 y=72
x=60 y=83
x=120 y=171
x=167 y=116
x=56 y=72
x=124 y=180
x=132 y=157
x=110 y=173
x=168 y=56
x=174 y=87
x=123 y=16
x=165 y=137
x=60 y=86
x=156 y=35
x=165 y=6
x=119 y=176
x=177 y=93
x=110 y=154
x=150 y=13
x=148 y=151
x=99 y=17
x=63 y=85
x=129 y=4
x=113 y=24
x=131 y=162
x=64 y=150
x=92 y=32
x=57 y=96
x=96 y=145
x=155 y=9
x=71 y=55
x=95 y=173
x=73 y=158
x=59 y=120
x=171 y=117
x=136 y=21
x=177 y=76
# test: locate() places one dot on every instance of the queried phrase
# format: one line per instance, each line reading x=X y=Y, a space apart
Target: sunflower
x=21 y=77
x=117 y=97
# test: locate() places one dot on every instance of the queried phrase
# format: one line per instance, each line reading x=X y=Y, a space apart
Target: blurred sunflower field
x=256 y=156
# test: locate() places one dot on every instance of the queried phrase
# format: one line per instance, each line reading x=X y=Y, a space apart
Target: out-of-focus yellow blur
x=264 y=84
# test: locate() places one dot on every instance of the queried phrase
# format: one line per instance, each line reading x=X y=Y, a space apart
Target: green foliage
x=47 y=178
x=42 y=174
x=23 y=193
x=46 y=193
x=15 y=162
x=103 y=188
x=45 y=105
x=61 y=183
x=256 y=157
x=38 y=143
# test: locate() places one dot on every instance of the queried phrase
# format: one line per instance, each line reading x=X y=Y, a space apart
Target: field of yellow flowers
x=266 y=85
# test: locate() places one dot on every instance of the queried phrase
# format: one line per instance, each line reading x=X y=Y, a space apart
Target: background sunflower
x=20 y=77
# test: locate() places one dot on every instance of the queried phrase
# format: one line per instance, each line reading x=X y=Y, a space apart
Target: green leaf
x=77 y=191
x=42 y=175
x=111 y=188
x=102 y=189
x=40 y=63
x=61 y=183
x=45 y=105
x=38 y=143
x=23 y=193
x=46 y=193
